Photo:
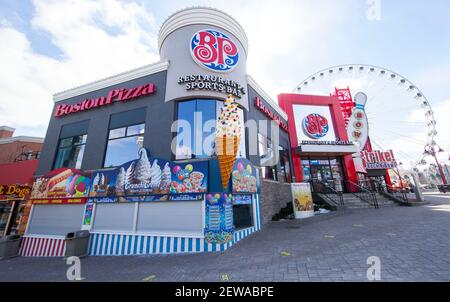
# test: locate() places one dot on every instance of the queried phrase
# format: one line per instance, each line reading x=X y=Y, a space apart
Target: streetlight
x=431 y=150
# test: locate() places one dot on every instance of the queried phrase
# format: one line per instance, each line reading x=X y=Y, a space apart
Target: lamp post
x=431 y=150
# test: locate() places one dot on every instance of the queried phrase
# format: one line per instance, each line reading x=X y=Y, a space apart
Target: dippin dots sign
x=214 y=50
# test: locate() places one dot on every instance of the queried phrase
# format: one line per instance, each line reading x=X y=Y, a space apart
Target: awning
x=16 y=179
x=18 y=173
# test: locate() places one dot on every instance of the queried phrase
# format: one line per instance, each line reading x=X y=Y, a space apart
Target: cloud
x=96 y=39
x=285 y=37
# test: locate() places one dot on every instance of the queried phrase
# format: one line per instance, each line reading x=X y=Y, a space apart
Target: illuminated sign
x=270 y=114
x=379 y=159
x=14 y=191
x=212 y=83
x=315 y=126
x=115 y=95
x=214 y=50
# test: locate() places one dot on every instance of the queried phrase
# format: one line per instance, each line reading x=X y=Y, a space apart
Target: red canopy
x=18 y=173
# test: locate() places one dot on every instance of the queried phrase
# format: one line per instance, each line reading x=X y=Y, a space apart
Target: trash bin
x=77 y=244
x=9 y=246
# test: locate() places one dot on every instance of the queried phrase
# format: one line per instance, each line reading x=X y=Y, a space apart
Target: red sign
x=270 y=114
x=214 y=50
x=379 y=159
x=60 y=201
x=14 y=191
x=121 y=95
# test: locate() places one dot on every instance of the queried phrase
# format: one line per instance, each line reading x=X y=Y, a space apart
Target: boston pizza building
x=127 y=157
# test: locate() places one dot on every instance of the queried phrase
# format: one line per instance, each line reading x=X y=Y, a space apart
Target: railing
x=363 y=193
x=397 y=193
x=328 y=192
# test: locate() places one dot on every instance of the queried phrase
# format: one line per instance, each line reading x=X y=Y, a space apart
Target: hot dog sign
x=62 y=184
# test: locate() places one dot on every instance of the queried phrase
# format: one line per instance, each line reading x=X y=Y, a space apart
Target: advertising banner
x=62 y=186
x=244 y=178
x=147 y=180
x=302 y=200
x=219 y=218
x=14 y=192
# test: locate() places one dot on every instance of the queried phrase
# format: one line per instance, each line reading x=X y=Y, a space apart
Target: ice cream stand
x=151 y=205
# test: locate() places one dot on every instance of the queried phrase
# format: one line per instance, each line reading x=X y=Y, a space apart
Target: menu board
x=219 y=226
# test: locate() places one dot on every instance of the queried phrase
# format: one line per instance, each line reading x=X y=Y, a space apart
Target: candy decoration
x=189 y=168
x=176 y=169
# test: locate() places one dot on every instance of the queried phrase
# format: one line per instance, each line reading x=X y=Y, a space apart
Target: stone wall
x=274 y=196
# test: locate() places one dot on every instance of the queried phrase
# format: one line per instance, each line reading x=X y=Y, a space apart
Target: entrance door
x=321 y=173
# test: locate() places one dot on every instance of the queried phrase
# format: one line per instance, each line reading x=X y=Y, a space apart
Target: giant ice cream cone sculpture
x=228 y=131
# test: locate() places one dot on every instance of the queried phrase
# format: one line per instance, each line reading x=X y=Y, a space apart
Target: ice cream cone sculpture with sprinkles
x=228 y=135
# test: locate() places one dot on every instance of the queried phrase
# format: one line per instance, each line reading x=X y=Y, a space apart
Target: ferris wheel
x=400 y=116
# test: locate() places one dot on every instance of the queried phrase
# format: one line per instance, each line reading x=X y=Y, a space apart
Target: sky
x=50 y=46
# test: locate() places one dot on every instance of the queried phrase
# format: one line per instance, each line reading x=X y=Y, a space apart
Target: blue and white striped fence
x=102 y=244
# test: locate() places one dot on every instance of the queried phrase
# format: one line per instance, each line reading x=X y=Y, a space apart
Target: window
x=265 y=150
x=285 y=164
x=124 y=144
x=70 y=152
x=196 y=127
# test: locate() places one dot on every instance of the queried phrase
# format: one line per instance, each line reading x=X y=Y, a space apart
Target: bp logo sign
x=214 y=51
x=315 y=126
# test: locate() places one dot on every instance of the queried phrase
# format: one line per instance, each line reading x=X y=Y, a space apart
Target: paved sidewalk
x=413 y=244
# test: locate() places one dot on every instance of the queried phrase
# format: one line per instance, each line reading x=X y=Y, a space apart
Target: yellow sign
x=302 y=200
x=14 y=191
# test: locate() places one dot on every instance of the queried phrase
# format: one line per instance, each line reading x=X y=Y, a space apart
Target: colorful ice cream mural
x=149 y=180
x=219 y=218
x=244 y=177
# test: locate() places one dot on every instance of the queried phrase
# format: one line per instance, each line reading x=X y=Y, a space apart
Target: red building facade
x=321 y=150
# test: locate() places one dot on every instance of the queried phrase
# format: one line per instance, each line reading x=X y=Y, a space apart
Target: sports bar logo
x=315 y=126
x=214 y=50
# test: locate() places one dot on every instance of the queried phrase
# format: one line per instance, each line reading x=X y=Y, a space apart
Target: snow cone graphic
x=166 y=178
x=227 y=137
x=155 y=175
x=120 y=182
x=143 y=168
x=129 y=176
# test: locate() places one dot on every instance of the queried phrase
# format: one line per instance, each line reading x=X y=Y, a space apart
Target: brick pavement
x=411 y=242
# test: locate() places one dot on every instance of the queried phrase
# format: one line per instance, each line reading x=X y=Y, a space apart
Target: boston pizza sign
x=214 y=50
